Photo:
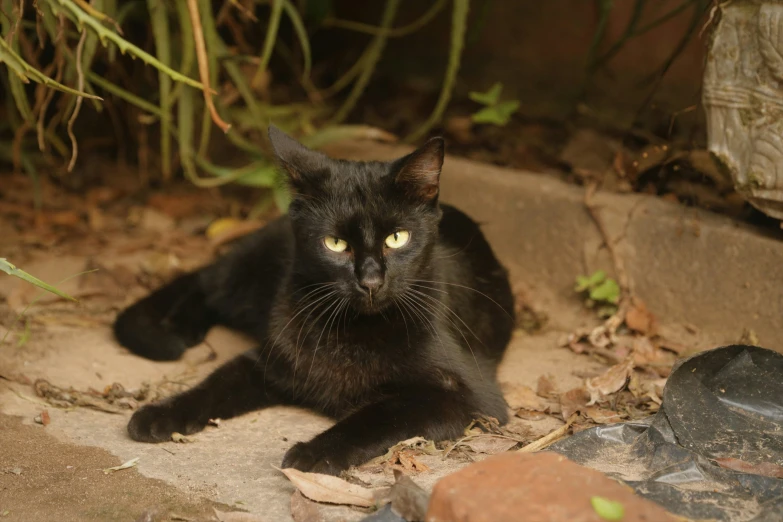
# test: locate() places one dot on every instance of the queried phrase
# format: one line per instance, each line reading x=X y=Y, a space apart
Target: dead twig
x=203 y=64
x=552 y=437
x=612 y=323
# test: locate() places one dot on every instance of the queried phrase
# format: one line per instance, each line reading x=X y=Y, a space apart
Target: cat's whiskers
x=442 y=313
x=458 y=286
x=329 y=322
x=404 y=320
x=298 y=347
x=422 y=312
x=323 y=288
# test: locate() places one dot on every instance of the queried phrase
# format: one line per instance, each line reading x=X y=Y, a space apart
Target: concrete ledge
x=688 y=265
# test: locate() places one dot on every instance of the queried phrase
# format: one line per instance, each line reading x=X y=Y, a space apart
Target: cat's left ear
x=419 y=174
x=301 y=164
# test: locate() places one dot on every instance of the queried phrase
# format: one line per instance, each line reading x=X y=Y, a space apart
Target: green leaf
x=608 y=291
x=487 y=98
x=10 y=269
x=499 y=114
x=607 y=509
x=282 y=197
x=587 y=282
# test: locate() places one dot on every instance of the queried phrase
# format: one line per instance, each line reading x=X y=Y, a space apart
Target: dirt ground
x=67 y=389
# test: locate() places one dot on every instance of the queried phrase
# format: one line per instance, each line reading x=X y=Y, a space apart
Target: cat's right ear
x=302 y=165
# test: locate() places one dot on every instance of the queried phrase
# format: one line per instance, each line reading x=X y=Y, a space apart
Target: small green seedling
x=494 y=111
x=608 y=509
x=601 y=291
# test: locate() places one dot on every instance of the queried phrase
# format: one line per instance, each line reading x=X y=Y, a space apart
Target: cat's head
x=367 y=227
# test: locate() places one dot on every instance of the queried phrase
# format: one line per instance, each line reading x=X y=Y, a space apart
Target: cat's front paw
x=156 y=423
x=314 y=458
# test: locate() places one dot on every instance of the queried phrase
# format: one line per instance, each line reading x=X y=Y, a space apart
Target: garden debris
x=718 y=410
x=43 y=418
x=546 y=387
x=304 y=510
x=639 y=318
x=402 y=456
x=113 y=399
x=520 y=396
x=408 y=499
x=552 y=437
x=329 y=489
x=490 y=444
x=610 y=382
x=125 y=465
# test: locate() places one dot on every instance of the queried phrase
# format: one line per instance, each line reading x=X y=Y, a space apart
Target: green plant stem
x=124 y=46
x=368 y=65
x=269 y=41
x=391 y=32
x=459 y=22
x=159 y=19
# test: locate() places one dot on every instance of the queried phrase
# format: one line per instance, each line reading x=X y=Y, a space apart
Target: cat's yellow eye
x=335 y=244
x=398 y=239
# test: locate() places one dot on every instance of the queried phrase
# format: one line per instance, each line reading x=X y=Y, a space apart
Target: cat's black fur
x=393 y=343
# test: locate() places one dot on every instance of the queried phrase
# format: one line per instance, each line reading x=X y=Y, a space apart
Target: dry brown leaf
x=303 y=510
x=236 y=516
x=546 y=386
x=639 y=319
x=612 y=381
x=326 y=488
x=602 y=415
x=550 y=438
x=573 y=400
x=530 y=415
x=490 y=444
x=767 y=469
x=154 y=220
x=409 y=462
x=521 y=396
x=45 y=419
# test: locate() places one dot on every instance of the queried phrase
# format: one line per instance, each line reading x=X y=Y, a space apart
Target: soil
x=45 y=479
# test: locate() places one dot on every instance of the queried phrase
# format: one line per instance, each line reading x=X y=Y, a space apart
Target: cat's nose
x=371 y=283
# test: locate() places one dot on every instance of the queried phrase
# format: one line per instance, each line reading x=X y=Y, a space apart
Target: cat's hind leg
x=164 y=324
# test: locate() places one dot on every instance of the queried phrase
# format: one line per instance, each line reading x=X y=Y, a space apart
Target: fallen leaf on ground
x=490 y=444
x=573 y=400
x=521 y=396
x=639 y=319
x=326 y=488
x=546 y=386
x=125 y=465
x=236 y=516
x=303 y=510
x=418 y=443
x=530 y=415
x=409 y=462
x=612 y=381
x=767 y=469
x=45 y=419
x=408 y=499
x=602 y=415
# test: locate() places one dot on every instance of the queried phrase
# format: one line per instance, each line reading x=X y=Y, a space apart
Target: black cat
x=371 y=303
